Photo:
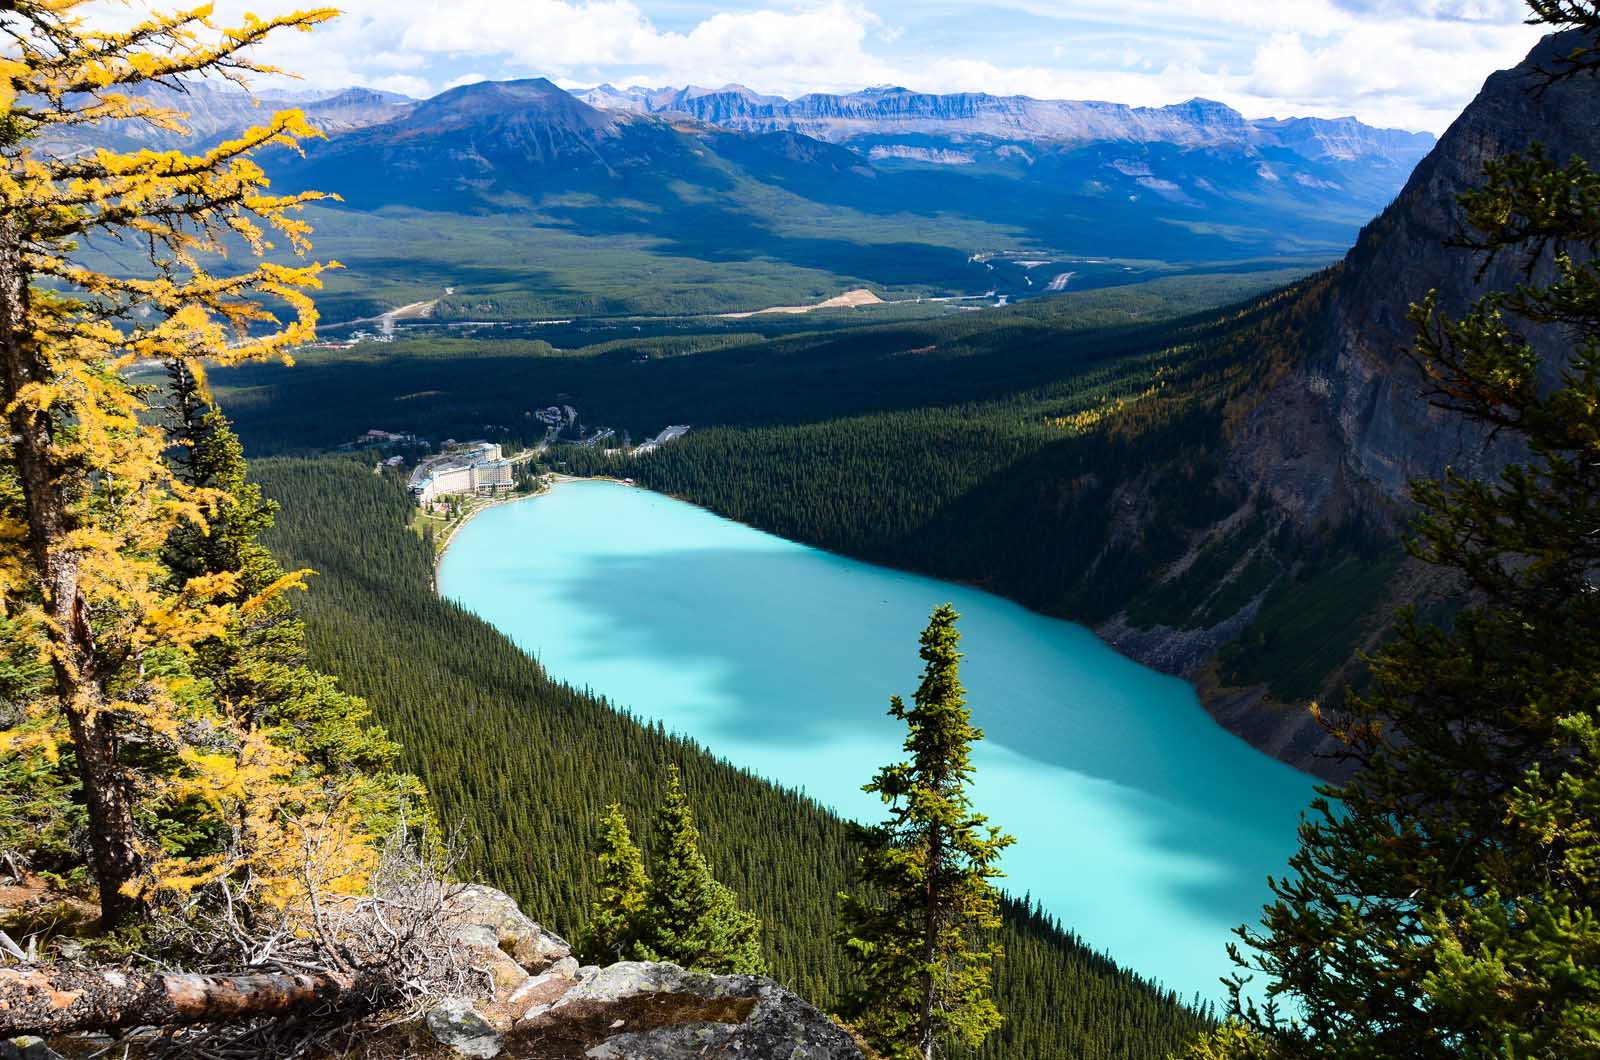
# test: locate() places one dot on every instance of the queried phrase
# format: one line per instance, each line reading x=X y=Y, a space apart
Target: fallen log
x=53 y=1000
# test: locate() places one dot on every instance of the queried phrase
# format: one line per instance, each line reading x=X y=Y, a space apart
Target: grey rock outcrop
x=1351 y=416
x=635 y=1011
x=481 y=947
x=530 y=945
x=454 y=1022
x=542 y=990
x=538 y=1004
x=1334 y=440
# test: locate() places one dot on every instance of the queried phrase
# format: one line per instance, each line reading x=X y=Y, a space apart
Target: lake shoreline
x=547 y=483
x=1230 y=709
x=714 y=630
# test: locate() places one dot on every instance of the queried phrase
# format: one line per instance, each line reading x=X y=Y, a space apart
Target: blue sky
x=1407 y=63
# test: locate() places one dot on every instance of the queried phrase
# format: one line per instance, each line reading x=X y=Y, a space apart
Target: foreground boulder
x=530 y=945
x=455 y=1023
x=529 y=1000
x=646 y=1011
x=543 y=989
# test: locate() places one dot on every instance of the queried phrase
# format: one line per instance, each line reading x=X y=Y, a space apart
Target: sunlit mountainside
x=530 y=201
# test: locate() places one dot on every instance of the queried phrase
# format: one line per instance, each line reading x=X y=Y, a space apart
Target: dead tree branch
x=46 y=1000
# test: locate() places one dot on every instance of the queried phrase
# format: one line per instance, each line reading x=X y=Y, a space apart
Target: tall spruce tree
x=925 y=971
x=1445 y=902
x=617 y=914
x=253 y=668
x=690 y=918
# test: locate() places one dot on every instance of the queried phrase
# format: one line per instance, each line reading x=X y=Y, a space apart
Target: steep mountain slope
x=215 y=112
x=1337 y=427
x=1344 y=430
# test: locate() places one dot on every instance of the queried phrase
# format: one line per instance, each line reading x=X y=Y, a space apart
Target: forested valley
x=987 y=449
x=267 y=792
x=526 y=765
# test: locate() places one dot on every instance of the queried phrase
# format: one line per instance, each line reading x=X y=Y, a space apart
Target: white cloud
x=1417 y=76
x=405 y=84
x=1411 y=63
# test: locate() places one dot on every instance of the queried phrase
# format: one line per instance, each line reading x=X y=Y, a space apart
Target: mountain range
x=970 y=117
x=979 y=118
x=527 y=200
x=508 y=142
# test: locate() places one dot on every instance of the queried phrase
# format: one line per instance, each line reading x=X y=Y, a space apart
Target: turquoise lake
x=1140 y=823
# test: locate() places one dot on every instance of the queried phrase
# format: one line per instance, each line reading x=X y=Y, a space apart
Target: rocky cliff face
x=1334 y=440
x=877 y=112
x=1370 y=431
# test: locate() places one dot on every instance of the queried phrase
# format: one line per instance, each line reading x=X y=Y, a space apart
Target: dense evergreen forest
x=704 y=371
x=986 y=448
x=526 y=766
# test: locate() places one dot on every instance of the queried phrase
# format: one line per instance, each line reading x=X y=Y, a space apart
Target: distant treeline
x=703 y=374
x=526 y=765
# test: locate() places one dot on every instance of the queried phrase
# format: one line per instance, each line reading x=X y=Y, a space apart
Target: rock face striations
x=1370 y=432
x=878 y=112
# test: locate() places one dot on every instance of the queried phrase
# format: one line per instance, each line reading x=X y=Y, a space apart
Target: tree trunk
x=42 y=1001
x=74 y=662
x=930 y=927
x=108 y=801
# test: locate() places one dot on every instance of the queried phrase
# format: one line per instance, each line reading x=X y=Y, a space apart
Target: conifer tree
x=925 y=972
x=692 y=919
x=616 y=914
x=1443 y=902
x=87 y=504
x=254 y=669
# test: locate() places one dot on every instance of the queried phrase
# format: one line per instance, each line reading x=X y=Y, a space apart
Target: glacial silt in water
x=1140 y=823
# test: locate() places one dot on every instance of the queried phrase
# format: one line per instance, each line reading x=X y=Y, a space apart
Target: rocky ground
x=537 y=1003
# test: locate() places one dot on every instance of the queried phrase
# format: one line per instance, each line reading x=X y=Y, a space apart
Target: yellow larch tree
x=86 y=498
